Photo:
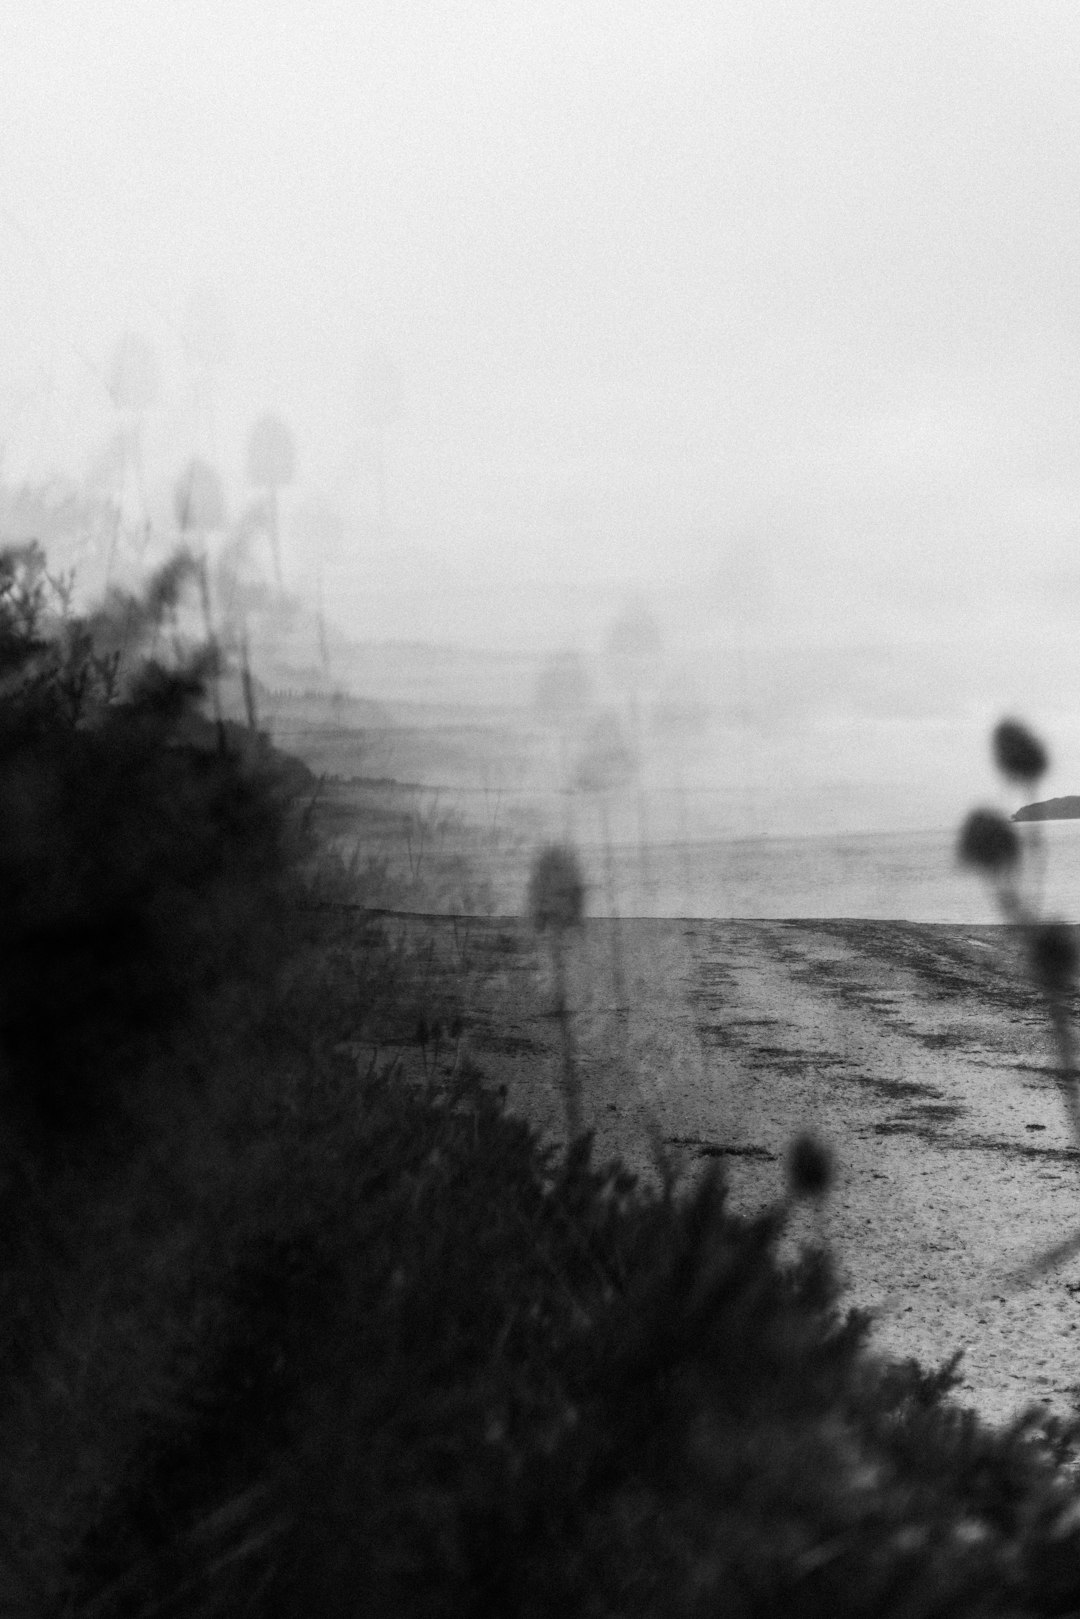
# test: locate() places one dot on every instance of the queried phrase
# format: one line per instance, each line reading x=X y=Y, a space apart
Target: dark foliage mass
x=809 y=1167
x=142 y=852
x=1019 y=754
x=491 y=1382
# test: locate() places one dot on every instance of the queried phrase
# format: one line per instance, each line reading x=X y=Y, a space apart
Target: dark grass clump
x=989 y=843
x=452 y=1374
x=144 y=858
x=556 y=890
x=1018 y=754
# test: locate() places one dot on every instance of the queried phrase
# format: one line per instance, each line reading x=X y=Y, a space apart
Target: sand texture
x=918 y=1052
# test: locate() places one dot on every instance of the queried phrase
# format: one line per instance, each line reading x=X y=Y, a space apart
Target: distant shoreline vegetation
x=1051 y=809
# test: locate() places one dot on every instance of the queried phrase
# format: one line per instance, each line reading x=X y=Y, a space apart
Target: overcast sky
x=772 y=307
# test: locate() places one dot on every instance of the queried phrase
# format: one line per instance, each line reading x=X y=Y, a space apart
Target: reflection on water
x=906 y=876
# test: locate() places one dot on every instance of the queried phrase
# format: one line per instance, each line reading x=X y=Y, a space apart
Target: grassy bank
x=298 y=1318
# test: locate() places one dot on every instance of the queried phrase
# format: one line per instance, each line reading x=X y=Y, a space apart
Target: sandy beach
x=916 y=1051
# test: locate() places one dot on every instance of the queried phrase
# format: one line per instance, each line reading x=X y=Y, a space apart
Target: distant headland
x=1051 y=809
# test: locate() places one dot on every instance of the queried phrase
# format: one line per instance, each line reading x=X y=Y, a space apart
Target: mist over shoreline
x=750 y=319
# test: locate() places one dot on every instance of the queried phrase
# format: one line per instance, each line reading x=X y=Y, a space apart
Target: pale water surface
x=906 y=876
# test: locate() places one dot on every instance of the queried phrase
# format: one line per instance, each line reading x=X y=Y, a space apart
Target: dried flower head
x=988 y=842
x=809 y=1167
x=1017 y=753
x=1054 y=956
x=556 y=889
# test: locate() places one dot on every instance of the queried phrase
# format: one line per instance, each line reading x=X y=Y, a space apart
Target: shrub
x=144 y=856
x=990 y=845
x=530 y=1386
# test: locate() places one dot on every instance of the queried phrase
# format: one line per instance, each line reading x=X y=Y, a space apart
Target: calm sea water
x=905 y=876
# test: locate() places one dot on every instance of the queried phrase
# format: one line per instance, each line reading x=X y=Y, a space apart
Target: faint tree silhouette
x=990 y=845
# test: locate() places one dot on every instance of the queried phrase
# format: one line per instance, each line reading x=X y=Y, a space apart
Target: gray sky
x=773 y=308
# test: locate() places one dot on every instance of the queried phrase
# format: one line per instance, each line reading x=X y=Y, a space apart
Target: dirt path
x=919 y=1055
x=916 y=1052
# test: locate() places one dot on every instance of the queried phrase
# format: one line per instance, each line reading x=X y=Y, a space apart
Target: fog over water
x=760 y=320
x=879 y=876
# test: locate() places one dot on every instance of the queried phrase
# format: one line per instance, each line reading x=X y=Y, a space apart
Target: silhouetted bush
x=144 y=855
x=406 y=1360
x=501 y=1383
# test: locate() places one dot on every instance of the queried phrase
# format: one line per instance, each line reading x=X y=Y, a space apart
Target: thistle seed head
x=1017 y=753
x=556 y=889
x=809 y=1167
x=988 y=842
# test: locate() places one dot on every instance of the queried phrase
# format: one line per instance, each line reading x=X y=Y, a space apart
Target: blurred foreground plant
x=991 y=845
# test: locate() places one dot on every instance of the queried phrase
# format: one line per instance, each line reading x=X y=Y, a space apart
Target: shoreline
x=917 y=1051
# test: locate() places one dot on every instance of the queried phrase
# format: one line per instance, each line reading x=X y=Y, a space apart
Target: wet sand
x=917 y=1052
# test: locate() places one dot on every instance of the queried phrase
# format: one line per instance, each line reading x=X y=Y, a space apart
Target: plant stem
x=571 y=1082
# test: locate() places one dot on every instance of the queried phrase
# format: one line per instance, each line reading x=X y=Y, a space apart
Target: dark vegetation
x=285 y=1331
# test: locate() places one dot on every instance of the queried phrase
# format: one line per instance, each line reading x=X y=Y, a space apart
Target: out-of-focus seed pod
x=809 y=1167
x=1017 y=753
x=556 y=889
x=988 y=842
x=1054 y=957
